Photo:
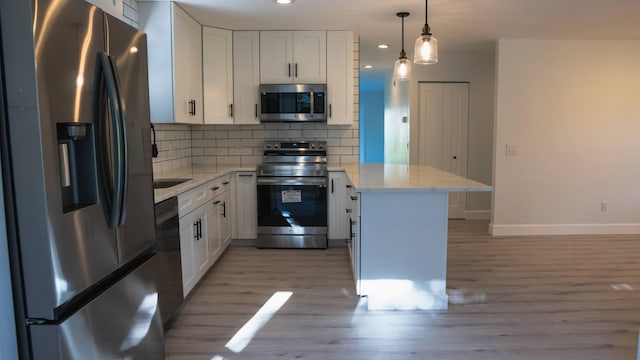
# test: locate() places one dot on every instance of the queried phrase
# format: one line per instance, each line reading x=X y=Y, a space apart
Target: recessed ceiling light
x=368 y=66
x=383 y=46
x=284 y=2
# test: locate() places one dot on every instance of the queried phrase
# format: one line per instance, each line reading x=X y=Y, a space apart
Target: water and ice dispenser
x=77 y=164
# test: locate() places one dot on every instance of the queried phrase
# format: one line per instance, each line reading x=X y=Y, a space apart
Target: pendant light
x=402 y=67
x=426 y=49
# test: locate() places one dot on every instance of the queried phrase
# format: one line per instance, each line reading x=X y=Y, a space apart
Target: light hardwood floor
x=511 y=298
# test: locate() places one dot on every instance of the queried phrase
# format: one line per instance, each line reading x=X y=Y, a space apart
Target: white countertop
x=365 y=177
x=397 y=177
x=199 y=174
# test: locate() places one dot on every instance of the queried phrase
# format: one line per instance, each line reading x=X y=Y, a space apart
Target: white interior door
x=442 y=141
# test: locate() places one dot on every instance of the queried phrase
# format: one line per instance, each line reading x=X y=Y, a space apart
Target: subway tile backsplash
x=185 y=145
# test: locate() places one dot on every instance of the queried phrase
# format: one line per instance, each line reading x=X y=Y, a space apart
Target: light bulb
x=426 y=50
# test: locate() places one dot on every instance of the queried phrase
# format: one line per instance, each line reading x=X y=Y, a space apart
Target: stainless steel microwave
x=293 y=102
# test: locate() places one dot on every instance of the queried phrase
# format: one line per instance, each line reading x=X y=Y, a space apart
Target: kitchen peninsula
x=399 y=241
x=398 y=216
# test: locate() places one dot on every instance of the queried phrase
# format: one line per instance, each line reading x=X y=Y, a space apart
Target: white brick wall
x=174 y=147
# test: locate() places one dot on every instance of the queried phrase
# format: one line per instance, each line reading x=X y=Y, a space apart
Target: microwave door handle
x=312 y=102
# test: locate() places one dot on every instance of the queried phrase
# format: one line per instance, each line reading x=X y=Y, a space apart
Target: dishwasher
x=169 y=273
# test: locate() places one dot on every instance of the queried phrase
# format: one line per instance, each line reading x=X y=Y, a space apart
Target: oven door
x=292 y=205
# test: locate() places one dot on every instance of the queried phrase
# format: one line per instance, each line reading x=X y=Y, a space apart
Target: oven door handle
x=306 y=180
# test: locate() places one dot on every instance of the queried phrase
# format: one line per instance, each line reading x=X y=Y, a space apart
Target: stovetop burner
x=293 y=158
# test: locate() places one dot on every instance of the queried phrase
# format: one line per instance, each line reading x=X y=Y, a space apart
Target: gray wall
x=478 y=68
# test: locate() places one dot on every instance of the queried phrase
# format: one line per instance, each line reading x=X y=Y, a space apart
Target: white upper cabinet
x=174 y=45
x=217 y=61
x=340 y=77
x=246 y=76
x=293 y=57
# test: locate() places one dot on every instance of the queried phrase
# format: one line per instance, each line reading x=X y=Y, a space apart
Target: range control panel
x=300 y=145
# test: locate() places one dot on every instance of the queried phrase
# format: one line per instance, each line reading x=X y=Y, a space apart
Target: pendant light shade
x=426 y=48
x=402 y=67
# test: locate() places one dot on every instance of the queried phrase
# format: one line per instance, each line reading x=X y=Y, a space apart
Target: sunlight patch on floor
x=243 y=337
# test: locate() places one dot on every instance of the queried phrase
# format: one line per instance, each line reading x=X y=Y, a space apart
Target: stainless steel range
x=292 y=195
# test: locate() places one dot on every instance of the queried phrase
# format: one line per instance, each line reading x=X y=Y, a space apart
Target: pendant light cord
x=402 y=40
x=403 y=54
x=425 y=29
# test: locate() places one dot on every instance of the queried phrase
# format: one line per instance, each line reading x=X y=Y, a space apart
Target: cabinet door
x=200 y=246
x=340 y=77
x=195 y=70
x=174 y=44
x=310 y=57
x=217 y=75
x=213 y=236
x=224 y=221
x=355 y=252
x=246 y=205
x=337 y=221
x=182 y=95
x=276 y=57
x=188 y=239
x=246 y=76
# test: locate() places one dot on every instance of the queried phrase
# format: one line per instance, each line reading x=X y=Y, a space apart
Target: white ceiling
x=459 y=25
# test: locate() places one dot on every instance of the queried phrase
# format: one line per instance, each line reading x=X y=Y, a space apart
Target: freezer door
x=65 y=243
x=122 y=323
x=128 y=48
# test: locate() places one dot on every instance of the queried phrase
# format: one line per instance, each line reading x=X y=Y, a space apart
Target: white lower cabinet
x=213 y=237
x=204 y=228
x=338 y=226
x=353 y=241
x=193 y=246
x=223 y=220
x=246 y=210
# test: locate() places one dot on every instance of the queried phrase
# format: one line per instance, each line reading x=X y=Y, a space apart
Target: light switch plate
x=512 y=150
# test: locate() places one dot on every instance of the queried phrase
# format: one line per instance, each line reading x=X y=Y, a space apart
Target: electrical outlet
x=603 y=206
x=511 y=150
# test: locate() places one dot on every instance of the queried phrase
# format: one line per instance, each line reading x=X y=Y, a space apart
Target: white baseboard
x=477 y=214
x=564 y=229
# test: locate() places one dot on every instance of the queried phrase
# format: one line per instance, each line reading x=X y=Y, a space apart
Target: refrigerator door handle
x=109 y=170
x=123 y=154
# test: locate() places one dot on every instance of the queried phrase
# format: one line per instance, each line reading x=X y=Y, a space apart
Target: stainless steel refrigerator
x=76 y=161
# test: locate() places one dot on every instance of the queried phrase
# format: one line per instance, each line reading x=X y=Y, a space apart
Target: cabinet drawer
x=220 y=185
x=192 y=199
